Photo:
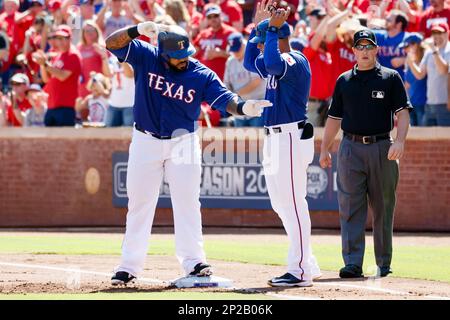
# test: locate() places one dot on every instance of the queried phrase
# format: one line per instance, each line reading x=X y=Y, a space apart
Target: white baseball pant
x=285 y=160
x=179 y=159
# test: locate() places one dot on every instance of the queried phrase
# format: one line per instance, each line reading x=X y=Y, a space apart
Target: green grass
x=420 y=262
x=138 y=296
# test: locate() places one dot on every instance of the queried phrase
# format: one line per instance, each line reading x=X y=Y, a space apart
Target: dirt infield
x=87 y=274
x=46 y=274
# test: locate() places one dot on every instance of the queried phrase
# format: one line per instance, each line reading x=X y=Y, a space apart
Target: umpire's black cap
x=174 y=43
x=364 y=34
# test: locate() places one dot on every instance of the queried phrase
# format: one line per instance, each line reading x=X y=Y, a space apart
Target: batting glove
x=147 y=28
x=255 y=108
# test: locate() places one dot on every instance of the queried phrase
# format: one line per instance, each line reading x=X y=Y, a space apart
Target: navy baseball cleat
x=351 y=271
x=122 y=278
x=201 y=270
x=289 y=280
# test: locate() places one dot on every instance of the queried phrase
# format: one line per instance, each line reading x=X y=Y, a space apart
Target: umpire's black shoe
x=384 y=271
x=288 y=280
x=201 y=270
x=121 y=278
x=351 y=271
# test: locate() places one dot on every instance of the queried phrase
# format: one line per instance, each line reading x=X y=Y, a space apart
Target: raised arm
x=122 y=37
x=419 y=72
x=272 y=56
x=335 y=21
x=319 y=34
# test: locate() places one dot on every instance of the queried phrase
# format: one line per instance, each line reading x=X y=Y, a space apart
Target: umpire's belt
x=279 y=129
x=366 y=139
x=157 y=136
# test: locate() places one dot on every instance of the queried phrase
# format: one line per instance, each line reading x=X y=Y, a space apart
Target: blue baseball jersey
x=167 y=100
x=389 y=49
x=288 y=80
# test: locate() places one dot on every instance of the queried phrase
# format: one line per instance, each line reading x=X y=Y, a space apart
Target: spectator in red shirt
x=436 y=13
x=339 y=39
x=94 y=56
x=211 y=43
x=320 y=62
x=9 y=26
x=231 y=13
x=412 y=9
x=33 y=41
x=25 y=19
x=61 y=77
x=17 y=102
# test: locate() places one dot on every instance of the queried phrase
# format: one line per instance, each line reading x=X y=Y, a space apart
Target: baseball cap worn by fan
x=174 y=43
x=365 y=34
x=20 y=78
x=261 y=29
x=234 y=42
x=410 y=39
x=34 y=87
x=212 y=9
x=440 y=27
x=63 y=31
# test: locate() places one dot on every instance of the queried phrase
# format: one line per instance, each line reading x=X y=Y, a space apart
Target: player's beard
x=180 y=67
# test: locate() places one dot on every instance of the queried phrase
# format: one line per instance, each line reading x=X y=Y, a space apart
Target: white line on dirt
x=71 y=270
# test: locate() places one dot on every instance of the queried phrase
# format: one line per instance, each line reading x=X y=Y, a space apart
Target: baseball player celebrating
x=289 y=143
x=170 y=86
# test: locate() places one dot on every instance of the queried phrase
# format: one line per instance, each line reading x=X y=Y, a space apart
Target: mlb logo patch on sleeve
x=288 y=58
x=378 y=94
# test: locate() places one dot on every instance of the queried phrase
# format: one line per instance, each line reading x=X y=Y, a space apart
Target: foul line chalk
x=71 y=270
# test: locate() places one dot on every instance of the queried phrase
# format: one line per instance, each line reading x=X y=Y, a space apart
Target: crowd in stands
x=56 y=71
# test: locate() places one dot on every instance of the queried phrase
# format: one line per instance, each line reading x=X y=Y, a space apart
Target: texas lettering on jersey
x=210 y=43
x=170 y=89
x=391 y=51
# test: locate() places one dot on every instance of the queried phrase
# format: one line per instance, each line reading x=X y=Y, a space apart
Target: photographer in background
x=16 y=100
x=95 y=102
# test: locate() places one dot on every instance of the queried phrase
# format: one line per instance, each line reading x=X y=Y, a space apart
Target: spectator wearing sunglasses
x=211 y=43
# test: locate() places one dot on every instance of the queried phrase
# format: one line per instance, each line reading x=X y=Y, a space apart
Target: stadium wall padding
x=43 y=181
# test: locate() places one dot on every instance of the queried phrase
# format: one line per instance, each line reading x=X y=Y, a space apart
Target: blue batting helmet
x=261 y=29
x=174 y=43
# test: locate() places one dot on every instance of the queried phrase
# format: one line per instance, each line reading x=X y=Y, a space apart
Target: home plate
x=198 y=282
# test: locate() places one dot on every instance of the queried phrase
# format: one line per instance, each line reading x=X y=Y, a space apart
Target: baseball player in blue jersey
x=289 y=142
x=170 y=86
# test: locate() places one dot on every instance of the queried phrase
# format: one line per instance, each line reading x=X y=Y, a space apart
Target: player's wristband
x=240 y=106
x=133 y=32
